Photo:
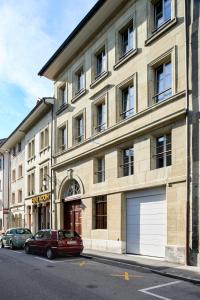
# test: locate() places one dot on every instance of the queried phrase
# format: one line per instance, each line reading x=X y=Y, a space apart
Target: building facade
x=26 y=165
x=1 y=187
x=120 y=151
x=38 y=153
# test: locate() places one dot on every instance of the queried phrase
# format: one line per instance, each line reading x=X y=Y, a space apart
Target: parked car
x=15 y=237
x=54 y=242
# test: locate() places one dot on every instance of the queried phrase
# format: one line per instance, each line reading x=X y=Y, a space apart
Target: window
x=79 y=128
x=13 y=198
x=163 y=151
x=63 y=97
x=162 y=77
x=126 y=39
x=43 y=175
x=73 y=188
x=163 y=82
x=101 y=212
x=14 y=151
x=127 y=102
x=80 y=80
x=100 y=169
x=44 y=139
x=20 y=171
x=19 y=147
x=19 y=196
x=162 y=12
x=100 y=117
x=62 y=138
x=31 y=149
x=127 y=166
x=13 y=175
x=0 y=164
x=100 y=63
x=31 y=184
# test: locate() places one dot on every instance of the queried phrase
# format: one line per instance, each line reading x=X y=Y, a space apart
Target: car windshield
x=64 y=234
x=23 y=231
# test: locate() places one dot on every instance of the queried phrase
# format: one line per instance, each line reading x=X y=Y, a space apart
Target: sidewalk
x=159 y=266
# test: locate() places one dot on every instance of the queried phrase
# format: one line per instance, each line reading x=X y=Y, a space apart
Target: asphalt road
x=34 y=277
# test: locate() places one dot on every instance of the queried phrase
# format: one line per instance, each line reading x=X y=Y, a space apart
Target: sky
x=30 y=32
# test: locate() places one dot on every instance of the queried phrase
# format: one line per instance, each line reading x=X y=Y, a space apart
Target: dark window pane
x=101 y=212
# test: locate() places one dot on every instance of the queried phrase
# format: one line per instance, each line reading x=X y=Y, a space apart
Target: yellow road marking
x=82 y=264
x=126 y=276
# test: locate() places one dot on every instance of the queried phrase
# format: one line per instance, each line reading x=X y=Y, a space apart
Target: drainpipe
x=188 y=166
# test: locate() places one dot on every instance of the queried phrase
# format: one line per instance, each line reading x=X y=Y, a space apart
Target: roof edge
x=39 y=103
x=72 y=35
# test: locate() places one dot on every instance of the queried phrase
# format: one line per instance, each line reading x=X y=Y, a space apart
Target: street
x=34 y=277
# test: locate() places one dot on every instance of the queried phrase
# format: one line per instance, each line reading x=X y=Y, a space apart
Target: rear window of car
x=67 y=234
x=23 y=231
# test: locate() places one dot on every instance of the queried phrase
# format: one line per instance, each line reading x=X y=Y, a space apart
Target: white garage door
x=146 y=222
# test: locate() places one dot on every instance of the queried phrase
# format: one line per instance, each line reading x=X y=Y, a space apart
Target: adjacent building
x=27 y=199
x=1 y=186
x=38 y=157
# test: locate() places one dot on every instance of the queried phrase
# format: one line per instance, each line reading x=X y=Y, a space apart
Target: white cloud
x=30 y=31
x=22 y=47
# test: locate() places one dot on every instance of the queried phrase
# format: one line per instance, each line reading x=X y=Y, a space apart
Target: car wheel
x=27 y=249
x=49 y=253
x=11 y=245
x=77 y=254
x=1 y=244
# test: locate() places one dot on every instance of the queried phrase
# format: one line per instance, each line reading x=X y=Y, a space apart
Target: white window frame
x=131 y=81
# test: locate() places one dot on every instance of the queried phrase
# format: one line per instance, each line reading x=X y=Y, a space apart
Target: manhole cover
x=91 y=286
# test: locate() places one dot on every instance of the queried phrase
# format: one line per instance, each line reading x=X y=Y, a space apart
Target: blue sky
x=30 y=32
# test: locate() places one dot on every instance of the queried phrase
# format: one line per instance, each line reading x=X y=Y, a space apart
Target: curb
x=137 y=265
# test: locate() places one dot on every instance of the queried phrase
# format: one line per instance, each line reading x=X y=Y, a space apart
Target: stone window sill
x=62 y=108
x=98 y=79
x=31 y=159
x=79 y=95
x=160 y=31
x=125 y=58
x=44 y=149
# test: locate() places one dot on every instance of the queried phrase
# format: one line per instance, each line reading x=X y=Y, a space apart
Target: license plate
x=72 y=242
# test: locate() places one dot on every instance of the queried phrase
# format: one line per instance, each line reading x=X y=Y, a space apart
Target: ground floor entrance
x=146 y=222
x=43 y=216
x=72 y=216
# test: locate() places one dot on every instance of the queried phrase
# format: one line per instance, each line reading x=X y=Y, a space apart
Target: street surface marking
x=18 y=251
x=44 y=259
x=81 y=263
x=126 y=276
x=145 y=291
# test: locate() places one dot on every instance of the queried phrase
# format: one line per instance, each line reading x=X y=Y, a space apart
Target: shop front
x=41 y=211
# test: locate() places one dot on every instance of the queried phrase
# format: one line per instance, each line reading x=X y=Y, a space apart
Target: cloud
x=23 y=45
x=30 y=32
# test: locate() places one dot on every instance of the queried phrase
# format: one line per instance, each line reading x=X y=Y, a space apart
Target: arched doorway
x=72 y=206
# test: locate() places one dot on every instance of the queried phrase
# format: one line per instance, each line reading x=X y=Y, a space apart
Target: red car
x=54 y=242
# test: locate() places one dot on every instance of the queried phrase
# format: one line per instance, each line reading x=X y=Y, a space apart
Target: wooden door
x=72 y=216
